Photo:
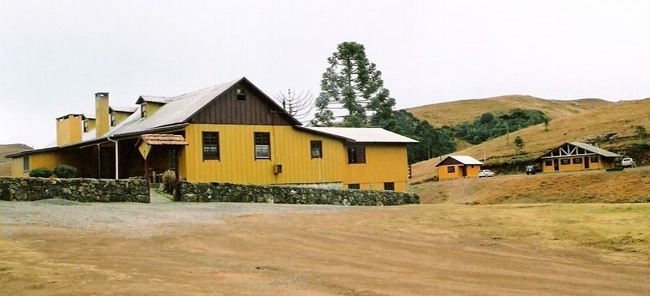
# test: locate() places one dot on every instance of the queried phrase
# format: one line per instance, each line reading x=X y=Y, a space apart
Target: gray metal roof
x=362 y=134
x=464 y=159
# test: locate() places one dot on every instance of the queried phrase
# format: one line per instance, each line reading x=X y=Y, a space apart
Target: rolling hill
x=454 y=113
x=610 y=125
x=5 y=163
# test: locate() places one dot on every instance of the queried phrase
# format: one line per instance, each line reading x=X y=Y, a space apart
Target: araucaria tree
x=355 y=84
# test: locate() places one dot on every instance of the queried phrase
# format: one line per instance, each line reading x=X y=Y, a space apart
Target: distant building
x=458 y=166
x=231 y=132
x=575 y=156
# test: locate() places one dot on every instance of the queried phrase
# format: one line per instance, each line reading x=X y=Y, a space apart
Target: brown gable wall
x=254 y=110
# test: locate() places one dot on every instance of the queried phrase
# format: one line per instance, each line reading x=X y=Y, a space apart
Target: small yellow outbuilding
x=458 y=166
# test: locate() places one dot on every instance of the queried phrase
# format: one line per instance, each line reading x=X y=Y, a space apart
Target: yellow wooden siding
x=46 y=159
x=292 y=149
x=237 y=162
x=603 y=163
x=384 y=164
x=471 y=171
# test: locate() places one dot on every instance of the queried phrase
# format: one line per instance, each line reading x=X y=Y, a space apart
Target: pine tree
x=354 y=83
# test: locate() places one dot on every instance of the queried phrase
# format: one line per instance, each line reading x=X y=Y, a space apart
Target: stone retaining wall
x=226 y=192
x=82 y=190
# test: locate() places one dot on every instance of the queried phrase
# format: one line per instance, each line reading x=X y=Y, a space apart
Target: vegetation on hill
x=489 y=126
x=612 y=126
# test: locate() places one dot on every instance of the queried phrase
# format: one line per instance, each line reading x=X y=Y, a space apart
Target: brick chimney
x=102 y=119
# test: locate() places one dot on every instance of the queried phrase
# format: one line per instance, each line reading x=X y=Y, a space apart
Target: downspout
x=117 y=157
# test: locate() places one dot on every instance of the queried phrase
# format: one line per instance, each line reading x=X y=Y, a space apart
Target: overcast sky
x=54 y=55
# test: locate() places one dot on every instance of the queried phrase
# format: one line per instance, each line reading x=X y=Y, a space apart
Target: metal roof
x=595 y=149
x=361 y=134
x=464 y=159
x=125 y=109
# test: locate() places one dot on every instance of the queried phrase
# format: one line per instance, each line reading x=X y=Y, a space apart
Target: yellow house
x=576 y=156
x=231 y=132
x=458 y=166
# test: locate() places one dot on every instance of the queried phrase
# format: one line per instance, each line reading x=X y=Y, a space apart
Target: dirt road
x=284 y=250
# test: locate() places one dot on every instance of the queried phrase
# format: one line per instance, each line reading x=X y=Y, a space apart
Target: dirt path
x=359 y=252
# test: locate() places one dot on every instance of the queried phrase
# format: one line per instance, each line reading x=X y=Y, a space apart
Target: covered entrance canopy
x=170 y=142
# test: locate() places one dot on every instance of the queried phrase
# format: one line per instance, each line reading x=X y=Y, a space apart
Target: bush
x=65 y=171
x=169 y=180
x=41 y=172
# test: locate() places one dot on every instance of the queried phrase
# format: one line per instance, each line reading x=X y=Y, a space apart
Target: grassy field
x=615 y=232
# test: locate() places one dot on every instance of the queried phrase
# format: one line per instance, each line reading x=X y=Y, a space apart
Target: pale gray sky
x=54 y=55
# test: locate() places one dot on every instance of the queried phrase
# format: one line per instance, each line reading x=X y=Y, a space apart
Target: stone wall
x=82 y=190
x=226 y=192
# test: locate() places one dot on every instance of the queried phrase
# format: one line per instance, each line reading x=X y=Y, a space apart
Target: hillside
x=5 y=163
x=620 y=119
x=454 y=113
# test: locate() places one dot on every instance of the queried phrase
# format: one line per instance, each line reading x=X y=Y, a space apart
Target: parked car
x=486 y=173
x=533 y=169
x=628 y=162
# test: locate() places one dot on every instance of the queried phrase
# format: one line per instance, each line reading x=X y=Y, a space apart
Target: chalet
x=575 y=156
x=458 y=166
x=231 y=132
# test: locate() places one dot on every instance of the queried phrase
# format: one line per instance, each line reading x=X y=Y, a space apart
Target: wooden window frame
x=262 y=147
x=356 y=154
x=565 y=161
x=316 y=149
x=210 y=146
x=389 y=186
x=451 y=169
x=26 y=163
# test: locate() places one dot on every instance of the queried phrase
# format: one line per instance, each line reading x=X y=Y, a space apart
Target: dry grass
x=454 y=113
x=5 y=163
x=620 y=118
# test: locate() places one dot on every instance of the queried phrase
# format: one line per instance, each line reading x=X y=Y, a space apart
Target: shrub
x=65 y=171
x=169 y=180
x=41 y=172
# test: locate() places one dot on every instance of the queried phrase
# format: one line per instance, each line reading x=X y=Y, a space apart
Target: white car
x=485 y=174
x=628 y=162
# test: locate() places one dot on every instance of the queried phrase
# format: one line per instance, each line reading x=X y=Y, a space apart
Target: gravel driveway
x=136 y=219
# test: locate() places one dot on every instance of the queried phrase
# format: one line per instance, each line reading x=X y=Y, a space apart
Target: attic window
x=241 y=94
x=113 y=119
x=85 y=126
x=143 y=110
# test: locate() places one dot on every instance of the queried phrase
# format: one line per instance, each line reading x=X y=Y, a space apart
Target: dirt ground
x=363 y=251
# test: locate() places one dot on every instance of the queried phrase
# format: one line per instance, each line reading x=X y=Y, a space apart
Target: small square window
x=451 y=169
x=577 y=160
x=565 y=161
x=594 y=159
x=354 y=186
x=389 y=186
x=548 y=162
x=357 y=154
x=316 y=149
x=241 y=94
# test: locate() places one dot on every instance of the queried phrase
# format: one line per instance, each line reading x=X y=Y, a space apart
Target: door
x=556 y=164
x=586 y=162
